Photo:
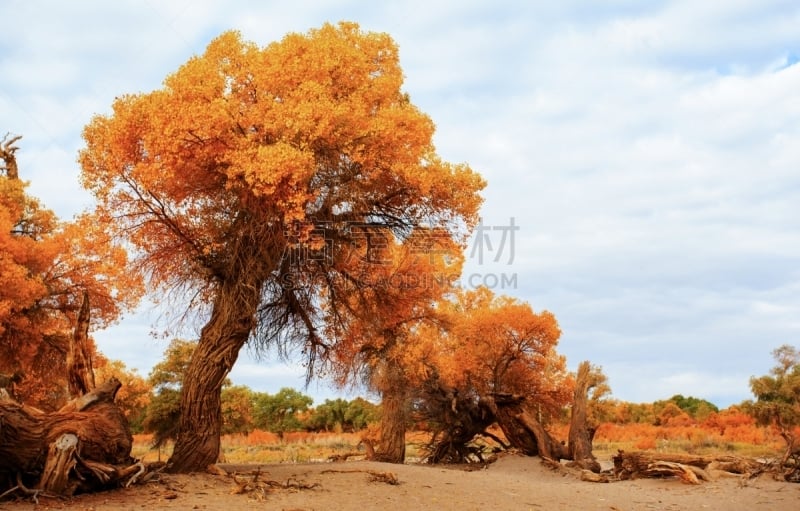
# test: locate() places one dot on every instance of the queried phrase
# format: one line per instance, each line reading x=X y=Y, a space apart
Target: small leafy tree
x=329 y=416
x=166 y=378
x=360 y=413
x=237 y=409
x=279 y=413
x=778 y=397
x=696 y=408
x=134 y=396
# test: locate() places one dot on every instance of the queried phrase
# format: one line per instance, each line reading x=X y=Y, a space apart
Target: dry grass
x=298 y=447
x=265 y=447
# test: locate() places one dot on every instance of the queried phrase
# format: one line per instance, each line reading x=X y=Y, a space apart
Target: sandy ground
x=513 y=482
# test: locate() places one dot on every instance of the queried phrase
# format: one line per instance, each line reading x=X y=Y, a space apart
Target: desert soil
x=513 y=482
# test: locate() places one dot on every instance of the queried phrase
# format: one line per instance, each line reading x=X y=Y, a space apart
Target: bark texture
x=80 y=373
x=392 y=443
x=84 y=446
x=580 y=434
x=197 y=443
x=524 y=431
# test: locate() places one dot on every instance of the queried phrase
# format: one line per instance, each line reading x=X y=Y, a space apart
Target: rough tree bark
x=197 y=443
x=84 y=446
x=80 y=373
x=580 y=434
x=523 y=430
x=392 y=443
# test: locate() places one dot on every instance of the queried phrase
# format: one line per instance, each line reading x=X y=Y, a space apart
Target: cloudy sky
x=649 y=153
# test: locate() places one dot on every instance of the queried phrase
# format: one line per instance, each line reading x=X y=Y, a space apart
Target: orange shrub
x=645 y=444
x=260 y=437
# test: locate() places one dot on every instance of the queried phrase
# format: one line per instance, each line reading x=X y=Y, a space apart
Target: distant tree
x=698 y=409
x=360 y=413
x=778 y=397
x=672 y=415
x=163 y=413
x=237 y=409
x=329 y=416
x=133 y=397
x=280 y=412
x=379 y=345
x=166 y=378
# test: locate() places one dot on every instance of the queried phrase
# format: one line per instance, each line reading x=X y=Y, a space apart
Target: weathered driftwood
x=580 y=433
x=689 y=468
x=80 y=374
x=84 y=446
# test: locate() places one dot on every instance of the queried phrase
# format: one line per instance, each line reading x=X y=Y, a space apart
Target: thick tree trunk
x=197 y=443
x=392 y=442
x=580 y=436
x=84 y=446
x=523 y=430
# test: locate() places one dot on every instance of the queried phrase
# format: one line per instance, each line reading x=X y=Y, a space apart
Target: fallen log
x=84 y=446
x=689 y=468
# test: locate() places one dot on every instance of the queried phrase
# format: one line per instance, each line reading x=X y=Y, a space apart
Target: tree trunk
x=80 y=374
x=523 y=430
x=392 y=442
x=580 y=436
x=197 y=443
x=84 y=446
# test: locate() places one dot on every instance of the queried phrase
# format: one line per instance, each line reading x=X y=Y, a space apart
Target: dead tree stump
x=85 y=446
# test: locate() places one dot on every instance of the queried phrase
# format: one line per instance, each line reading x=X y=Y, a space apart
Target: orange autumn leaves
x=314 y=128
x=45 y=266
x=498 y=344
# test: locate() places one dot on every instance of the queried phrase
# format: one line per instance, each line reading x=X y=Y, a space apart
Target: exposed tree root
x=252 y=484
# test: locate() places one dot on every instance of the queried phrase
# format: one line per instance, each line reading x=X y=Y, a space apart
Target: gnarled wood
x=689 y=468
x=7 y=150
x=580 y=436
x=80 y=374
x=84 y=446
x=391 y=446
x=523 y=430
x=61 y=460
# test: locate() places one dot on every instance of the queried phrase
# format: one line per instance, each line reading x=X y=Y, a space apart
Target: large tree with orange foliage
x=244 y=179
x=490 y=346
x=47 y=268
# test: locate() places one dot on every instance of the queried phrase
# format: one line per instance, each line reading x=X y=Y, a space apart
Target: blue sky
x=648 y=151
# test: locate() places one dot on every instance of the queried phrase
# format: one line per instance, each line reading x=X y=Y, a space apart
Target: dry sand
x=513 y=482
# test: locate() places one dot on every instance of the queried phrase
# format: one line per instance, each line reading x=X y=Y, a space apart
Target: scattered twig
x=375 y=476
x=252 y=484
